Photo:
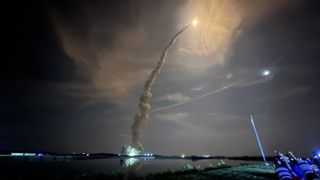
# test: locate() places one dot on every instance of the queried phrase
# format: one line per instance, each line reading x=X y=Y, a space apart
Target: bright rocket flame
x=194 y=22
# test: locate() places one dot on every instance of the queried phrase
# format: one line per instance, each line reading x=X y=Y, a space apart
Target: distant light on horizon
x=22 y=154
x=16 y=154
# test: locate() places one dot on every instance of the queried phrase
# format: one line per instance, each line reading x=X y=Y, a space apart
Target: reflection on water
x=132 y=165
x=129 y=162
x=143 y=166
x=129 y=166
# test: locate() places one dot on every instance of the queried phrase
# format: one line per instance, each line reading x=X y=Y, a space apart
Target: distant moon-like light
x=266 y=73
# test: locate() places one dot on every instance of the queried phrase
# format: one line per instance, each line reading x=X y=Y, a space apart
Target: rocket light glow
x=195 y=22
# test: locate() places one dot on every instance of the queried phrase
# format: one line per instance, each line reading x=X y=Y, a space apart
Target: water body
x=138 y=167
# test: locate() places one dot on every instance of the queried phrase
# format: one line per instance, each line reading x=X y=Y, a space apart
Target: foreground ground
x=244 y=171
x=252 y=171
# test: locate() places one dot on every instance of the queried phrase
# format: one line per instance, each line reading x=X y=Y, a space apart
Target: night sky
x=73 y=71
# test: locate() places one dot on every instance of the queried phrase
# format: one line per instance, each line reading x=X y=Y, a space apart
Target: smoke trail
x=197 y=98
x=240 y=83
x=142 y=116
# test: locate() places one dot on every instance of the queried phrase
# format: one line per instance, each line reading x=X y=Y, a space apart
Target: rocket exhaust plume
x=142 y=116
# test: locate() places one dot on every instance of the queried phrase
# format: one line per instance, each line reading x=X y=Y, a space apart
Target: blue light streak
x=258 y=140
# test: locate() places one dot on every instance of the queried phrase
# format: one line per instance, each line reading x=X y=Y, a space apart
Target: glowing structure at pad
x=258 y=140
x=131 y=151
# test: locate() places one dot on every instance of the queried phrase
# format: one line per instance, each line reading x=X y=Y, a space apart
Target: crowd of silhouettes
x=288 y=167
